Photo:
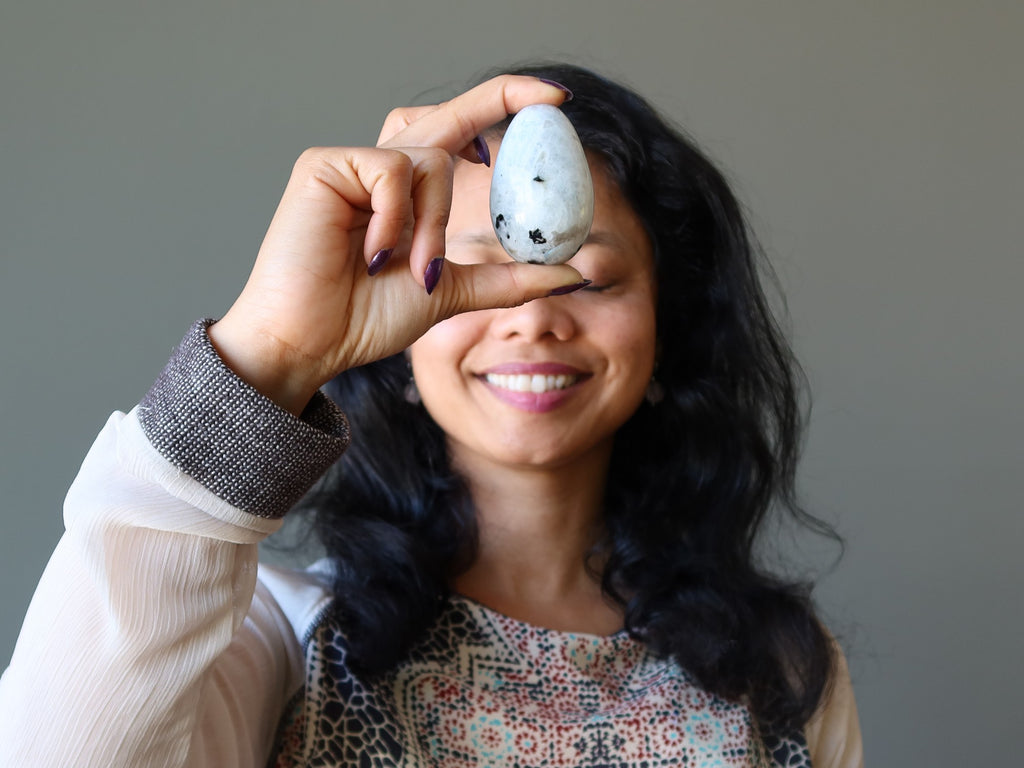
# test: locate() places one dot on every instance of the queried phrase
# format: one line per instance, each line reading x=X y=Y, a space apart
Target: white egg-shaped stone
x=542 y=195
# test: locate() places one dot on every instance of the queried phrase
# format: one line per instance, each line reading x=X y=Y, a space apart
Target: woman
x=541 y=538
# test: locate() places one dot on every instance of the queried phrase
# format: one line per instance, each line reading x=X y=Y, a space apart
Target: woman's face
x=549 y=382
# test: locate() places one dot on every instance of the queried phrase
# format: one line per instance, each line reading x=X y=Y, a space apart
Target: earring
x=654 y=393
x=411 y=391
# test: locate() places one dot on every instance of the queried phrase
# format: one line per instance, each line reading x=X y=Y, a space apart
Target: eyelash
x=597 y=288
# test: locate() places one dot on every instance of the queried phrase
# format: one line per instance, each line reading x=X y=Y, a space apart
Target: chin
x=536 y=451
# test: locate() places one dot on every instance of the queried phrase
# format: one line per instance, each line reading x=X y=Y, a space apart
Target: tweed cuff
x=240 y=445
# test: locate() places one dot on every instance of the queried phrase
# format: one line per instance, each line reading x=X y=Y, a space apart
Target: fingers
x=469 y=287
x=399 y=119
x=390 y=178
x=411 y=196
x=453 y=125
x=431 y=202
x=401 y=191
x=407 y=194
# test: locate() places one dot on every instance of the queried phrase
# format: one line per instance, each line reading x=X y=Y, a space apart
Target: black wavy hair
x=692 y=479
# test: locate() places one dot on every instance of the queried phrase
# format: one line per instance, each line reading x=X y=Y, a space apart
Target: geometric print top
x=482 y=689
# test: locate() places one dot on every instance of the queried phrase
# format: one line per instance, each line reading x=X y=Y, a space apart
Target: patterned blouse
x=483 y=689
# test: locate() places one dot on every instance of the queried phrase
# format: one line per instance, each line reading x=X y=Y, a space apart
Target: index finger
x=399 y=119
x=453 y=124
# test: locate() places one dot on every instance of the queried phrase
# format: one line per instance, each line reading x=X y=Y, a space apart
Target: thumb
x=469 y=287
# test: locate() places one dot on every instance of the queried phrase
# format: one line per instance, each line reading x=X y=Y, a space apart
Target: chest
x=484 y=690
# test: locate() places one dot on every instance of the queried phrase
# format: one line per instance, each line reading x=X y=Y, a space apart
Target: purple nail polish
x=433 y=274
x=559 y=86
x=378 y=261
x=482 y=150
x=564 y=289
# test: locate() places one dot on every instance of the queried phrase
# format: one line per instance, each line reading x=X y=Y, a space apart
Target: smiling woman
x=471 y=369
x=547 y=558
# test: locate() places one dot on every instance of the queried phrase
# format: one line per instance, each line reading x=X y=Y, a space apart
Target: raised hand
x=311 y=308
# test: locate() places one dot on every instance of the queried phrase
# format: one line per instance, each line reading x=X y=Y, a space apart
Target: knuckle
x=320 y=163
x=435 y=218
x=515 y=294
x=395 y=163
x=437 y=161
x=397 y=116
x=457 y=299
x=397 y=213
x=464 y=125
x=310 y=157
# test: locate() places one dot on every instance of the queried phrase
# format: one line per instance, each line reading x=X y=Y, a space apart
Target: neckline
x=615 y=638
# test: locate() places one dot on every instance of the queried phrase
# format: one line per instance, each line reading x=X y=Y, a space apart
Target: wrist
x=217 y=429
x=263 y=364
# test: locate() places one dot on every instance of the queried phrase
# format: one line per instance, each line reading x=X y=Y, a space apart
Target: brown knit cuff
x=237 y=443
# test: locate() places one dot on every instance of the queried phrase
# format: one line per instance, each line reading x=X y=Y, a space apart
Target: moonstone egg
x=542 y=196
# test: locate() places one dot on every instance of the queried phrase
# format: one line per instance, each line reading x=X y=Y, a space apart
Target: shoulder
x=833 y=734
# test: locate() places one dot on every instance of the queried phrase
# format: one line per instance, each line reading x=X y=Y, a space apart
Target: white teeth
x=537 y=383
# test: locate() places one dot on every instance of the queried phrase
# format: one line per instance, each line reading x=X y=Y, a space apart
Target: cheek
x=640 y=358
x=630 y=336
x=445 y=345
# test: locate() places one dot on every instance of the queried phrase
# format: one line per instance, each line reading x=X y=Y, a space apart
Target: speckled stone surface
x=542 y=196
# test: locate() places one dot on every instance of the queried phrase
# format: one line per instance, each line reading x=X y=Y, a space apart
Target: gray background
x=143 y=147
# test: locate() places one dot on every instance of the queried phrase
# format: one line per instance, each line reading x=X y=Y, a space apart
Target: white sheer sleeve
x=833 y=735
x=147 y=643
x=143 y=593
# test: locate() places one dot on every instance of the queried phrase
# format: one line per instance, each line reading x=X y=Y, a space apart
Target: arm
x=833 y=735
x=154 y=578
x=124 y=643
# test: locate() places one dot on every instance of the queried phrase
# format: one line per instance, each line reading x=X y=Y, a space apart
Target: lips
x=533 y=387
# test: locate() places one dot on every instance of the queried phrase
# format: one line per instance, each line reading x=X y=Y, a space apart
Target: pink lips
x=534 y=402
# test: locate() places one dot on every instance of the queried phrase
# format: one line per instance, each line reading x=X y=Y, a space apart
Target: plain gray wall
x=143 y=147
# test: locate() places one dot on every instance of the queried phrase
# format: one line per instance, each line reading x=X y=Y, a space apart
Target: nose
x=538 y=320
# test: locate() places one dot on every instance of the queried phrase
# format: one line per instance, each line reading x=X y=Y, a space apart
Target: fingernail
x=564 y=289
x=559 y=86
x=433 y=274
x=482 y=151
x=379 y=260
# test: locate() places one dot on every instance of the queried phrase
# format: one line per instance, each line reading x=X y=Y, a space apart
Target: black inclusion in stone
x=538 y=178
x=537 y=236
x=499 y=223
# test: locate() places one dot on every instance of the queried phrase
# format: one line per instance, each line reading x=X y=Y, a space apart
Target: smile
x=536 y=383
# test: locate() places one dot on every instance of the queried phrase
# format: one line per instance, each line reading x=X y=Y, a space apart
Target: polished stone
x=542 y=195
